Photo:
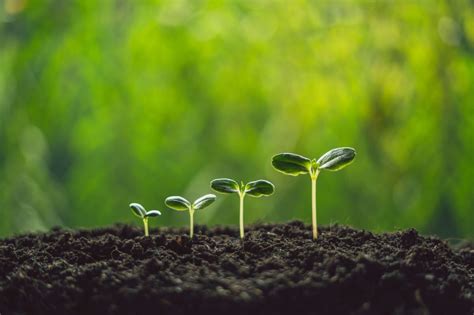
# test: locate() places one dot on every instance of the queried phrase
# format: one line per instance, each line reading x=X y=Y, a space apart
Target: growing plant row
x=287 y=163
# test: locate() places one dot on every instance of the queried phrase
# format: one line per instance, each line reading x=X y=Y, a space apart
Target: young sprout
x=256 y=188
x=181 y=204
x=139 y=211
x=294 y=164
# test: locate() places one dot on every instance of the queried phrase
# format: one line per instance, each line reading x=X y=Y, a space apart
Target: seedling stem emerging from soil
x=139 y=211
x=256 y=188
x=179 y=203
x=294 y=164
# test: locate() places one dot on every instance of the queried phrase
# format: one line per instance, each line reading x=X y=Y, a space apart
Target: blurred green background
x=107 y=102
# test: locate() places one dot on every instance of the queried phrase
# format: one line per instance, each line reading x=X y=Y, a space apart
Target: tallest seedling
x=294 y=164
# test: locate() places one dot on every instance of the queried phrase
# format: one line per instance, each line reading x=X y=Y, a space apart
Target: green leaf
x=137 y=209
x=177 y=203
x=225 y=185
x=291 y=164
x=259 y=188
x=152 y=213
x=204 y=201
x=336 y=159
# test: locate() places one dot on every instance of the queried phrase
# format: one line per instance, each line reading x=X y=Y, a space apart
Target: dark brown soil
x=278 y=269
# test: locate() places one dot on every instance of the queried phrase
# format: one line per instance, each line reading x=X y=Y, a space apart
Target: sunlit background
x=107 y=102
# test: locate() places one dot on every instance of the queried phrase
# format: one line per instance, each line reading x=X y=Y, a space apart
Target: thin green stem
x=241 y=196
x=314 y=177
x=145 y=224
x=191 y=223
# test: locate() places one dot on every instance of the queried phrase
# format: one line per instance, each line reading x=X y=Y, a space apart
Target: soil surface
x=277 y=269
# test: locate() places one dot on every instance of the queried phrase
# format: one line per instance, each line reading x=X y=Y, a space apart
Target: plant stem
x=191 y=223
x=145 y=224
x=241 y=196
x=313 y=204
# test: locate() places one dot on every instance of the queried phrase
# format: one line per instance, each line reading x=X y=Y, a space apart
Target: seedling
x=181 y=204
x=294 y=164
x=256 y=188
x=139 y=211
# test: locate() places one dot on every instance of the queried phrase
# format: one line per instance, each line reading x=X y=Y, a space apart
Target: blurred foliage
x=107 y=102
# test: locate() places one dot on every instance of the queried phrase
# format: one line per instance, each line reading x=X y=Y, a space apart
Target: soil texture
x=276 y=269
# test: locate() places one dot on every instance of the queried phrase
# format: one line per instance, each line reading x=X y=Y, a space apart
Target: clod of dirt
x=276 y=269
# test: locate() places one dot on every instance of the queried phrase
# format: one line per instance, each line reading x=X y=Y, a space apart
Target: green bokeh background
x=107 y=102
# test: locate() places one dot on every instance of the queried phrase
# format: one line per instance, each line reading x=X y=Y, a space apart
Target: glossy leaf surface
x=336 y=159
x=291 y=163
x=225 y=185
x=152 y=213
x=138 y=210
x=177 y=203
x=204 y=201
x=259 y=188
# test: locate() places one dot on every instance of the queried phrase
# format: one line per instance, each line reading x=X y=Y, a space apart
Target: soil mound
x=277 y=269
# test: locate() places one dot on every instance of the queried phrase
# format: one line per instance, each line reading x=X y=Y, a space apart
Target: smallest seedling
x=139 y=211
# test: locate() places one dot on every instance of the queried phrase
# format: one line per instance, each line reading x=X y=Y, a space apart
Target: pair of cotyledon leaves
x=182 y=204
x=140 y=211
x=294 y=164
x=256 y=188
